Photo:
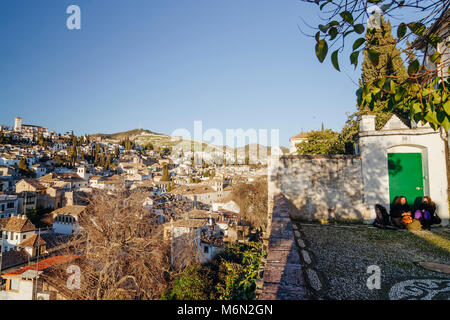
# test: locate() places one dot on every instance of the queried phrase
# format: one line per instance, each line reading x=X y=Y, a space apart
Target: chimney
x=367 y=123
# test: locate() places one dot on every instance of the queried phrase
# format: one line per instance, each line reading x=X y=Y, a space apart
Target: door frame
x=410 y=148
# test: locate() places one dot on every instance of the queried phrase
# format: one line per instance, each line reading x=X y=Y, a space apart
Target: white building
x=398 y=160
x=24 y=283
x=66 y=219
x=82 y=173
x=8 y=206
x=13 y=231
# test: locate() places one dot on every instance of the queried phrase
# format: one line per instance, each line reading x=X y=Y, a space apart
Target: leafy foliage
x=194 y=284
x=325 y=142
x=230 y=276
x=238 y=271
x=390 y=63
x=424 y=91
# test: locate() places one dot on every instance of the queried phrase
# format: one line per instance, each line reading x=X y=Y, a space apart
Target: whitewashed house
x=8 y=205
x=66 y=219
x=399 y=160
x=13 y=231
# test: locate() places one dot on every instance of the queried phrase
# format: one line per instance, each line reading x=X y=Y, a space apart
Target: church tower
x=18 y=124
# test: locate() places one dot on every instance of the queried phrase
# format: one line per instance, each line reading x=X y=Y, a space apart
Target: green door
x=405 y=176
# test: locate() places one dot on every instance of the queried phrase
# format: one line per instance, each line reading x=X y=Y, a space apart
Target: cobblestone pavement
x=336 y=258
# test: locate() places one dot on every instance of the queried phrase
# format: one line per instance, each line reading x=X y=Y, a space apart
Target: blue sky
x=161 y=64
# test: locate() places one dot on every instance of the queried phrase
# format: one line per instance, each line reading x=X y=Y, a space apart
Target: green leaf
x=317 y=36
x=446 y=124
x=333 y=32
x=401 y=30
x=387 y=84
x=380 y=83
x=434 y=39
x=447 y=107
x=347 y=17
x=354 y=58
x=324 y=4
x=435 y=58
x=431 y=117
x=348 y=32
x=413 y=67
x=375 y=91
x=374 y=56
x=441 y=116
x=333 y=23
x=321 y=50
x=358 y=42
x=359 y=28
x=392 y=86
x=323 y=28
x=334 y=60
x=417 y=28
x=399 y=94
x=359 y=94
x=417 y=107
x=391 y=104
x=386 y=7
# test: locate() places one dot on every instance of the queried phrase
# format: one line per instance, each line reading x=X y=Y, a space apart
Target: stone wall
x=320 y=187
x=283 y=277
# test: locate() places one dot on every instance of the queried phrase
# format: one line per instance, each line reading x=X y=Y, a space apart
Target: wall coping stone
x=283 y=274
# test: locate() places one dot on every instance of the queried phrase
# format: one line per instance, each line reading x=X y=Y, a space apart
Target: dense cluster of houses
x=189 y=199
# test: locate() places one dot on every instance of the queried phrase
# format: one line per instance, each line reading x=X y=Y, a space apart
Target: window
x=205 y=249
x=14 y=284
x=10 y=205
x=2 y=207
x=24 y=236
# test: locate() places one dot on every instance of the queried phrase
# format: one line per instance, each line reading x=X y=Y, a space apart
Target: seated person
x=400 y=212
x=426 y=213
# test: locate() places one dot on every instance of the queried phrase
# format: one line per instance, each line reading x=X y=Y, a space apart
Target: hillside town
x=46 y=180
x=294 y=182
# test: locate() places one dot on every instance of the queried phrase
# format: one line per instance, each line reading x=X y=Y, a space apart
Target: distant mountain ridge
x=143 y=137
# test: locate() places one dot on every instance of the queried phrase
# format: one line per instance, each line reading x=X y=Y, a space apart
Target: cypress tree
x=390 y=64
x=23 y=165
x=165 y=173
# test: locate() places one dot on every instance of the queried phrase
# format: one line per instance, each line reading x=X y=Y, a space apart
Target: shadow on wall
x=395 y=166
x=322 y=187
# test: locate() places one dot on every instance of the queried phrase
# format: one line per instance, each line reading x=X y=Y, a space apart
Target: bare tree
x=252 y=201
x=122 y=254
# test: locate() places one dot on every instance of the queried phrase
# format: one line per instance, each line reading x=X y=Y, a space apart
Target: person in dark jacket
x=400 y=212
x=426 y=213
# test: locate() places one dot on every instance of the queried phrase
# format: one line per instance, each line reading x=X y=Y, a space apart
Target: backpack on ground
x=382 y=219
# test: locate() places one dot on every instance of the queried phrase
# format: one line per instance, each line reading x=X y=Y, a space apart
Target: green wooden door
x=405 y=176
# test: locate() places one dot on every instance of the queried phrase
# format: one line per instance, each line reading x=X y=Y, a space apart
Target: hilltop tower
x=82 y=172
x=18 y=124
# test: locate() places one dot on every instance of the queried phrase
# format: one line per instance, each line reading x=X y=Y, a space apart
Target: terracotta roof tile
x=42 y=265
x=69 y=210
x=18 y=225
x=33 y=241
